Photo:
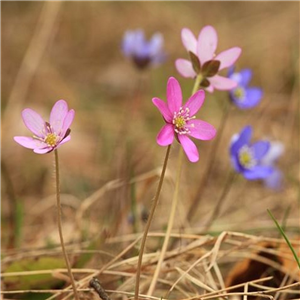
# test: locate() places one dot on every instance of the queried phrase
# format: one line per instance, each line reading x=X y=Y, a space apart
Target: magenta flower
x=47 y=136
x=204 y=61
x=180 y=120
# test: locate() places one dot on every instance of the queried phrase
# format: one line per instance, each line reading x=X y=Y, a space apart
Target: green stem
x=285 y=237
x=170 y=224
x=143 y=242
x=60 y=226
x=198 y=80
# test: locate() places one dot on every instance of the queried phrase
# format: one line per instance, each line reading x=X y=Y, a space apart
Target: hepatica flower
x=181 y=122
x=204 y=61
x=143 y=52
x=242 y=96
x=247 y=158
x=47 y=136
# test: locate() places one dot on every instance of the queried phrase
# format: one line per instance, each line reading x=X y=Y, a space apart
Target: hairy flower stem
x=209 y=165
x=170 y=224
x=148 y=224
x=60 y=226
x=174 y=206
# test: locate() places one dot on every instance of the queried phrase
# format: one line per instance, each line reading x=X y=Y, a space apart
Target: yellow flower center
x=239 y=93
x=179 y=122
x=246 y=158
x=51 y=139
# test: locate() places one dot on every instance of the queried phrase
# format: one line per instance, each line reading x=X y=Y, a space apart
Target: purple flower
x=242 y=96
x=47 y=136
x=204 y=61
x=274 y=180
x=180 y=120
x=142 y=52
x=247 y=158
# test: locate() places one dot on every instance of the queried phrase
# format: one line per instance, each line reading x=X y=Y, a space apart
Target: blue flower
x=242 y=96
x=274 y=180
x=142 y=52
x=247 y=158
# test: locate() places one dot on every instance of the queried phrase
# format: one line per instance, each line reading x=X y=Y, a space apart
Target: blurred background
x=72 y=51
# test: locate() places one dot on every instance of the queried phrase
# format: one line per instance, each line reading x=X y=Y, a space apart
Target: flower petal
x=166 y=135
x=66 y=139
x=189 y=148
x=174 y=95
x=207 y=44
x=58 y=115
x=67 y=122
x=210 y=88
x=274 y=180
x=189 y=40
x=246 y=75
x=253 y=97
x=228 y=57
x=43 y=150
x=260 y=148
x=155 y=44
x=222 y=83
x=195 y=102
x=201 y=130
x=27 y=142
x=163 y=108
x=34 y=122
x=275 y=151
x=243 y=139
x=258 y=172
x=185 y=68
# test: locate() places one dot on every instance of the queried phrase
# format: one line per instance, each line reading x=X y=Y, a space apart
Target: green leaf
x=210 y=68
x=285 y=237
x=195 y=62
x=40 y=281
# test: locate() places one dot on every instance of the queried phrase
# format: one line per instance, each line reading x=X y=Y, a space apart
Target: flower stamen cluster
x=246 y=157
x=180 y=120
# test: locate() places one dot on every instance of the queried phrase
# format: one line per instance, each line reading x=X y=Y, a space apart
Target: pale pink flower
x=204 y=49
x=47 y=136
x=180 y=120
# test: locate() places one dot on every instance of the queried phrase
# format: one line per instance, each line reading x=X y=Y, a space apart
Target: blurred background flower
x=247 y=158
x=242 y=96
x=142 y=52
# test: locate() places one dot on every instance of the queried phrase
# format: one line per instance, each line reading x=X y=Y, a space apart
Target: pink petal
x=189 y=41
x=207 y=44
x=201 y=130
x=185 y=68
x=27 y=142
x=174 y=95
x=66 y=139
x=195 y=102
x=228 y=57
x=210 y=89
x=34 y=122
x=189 y=148
x=163 y=108
x=58 y=115
x=67 y=122
x=166 y=135
x=43 y=150
x=222 y=83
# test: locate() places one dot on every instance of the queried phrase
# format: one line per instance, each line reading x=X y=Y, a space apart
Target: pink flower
x=47 y=136
x=203 y=52
x=180 y=120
